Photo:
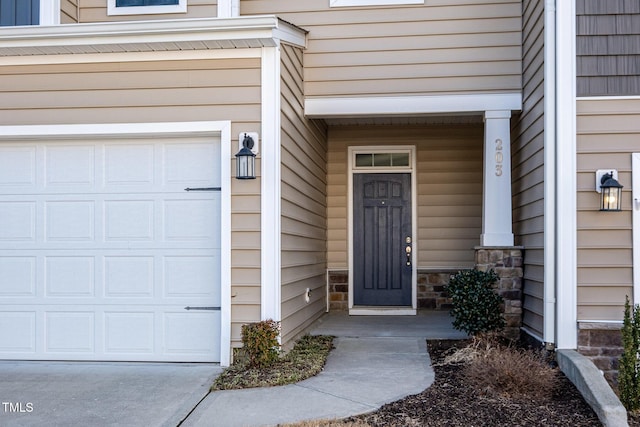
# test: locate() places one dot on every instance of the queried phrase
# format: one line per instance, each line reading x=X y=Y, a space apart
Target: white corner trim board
x=566 y=199
x=270 y=208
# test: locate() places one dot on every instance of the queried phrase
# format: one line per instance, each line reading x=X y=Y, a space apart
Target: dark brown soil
x=451 y=401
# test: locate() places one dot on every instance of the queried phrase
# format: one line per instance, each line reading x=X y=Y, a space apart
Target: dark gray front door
x=19 y=12
x=382 y=232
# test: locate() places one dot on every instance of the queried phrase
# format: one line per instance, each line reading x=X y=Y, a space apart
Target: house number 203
x=499 y=157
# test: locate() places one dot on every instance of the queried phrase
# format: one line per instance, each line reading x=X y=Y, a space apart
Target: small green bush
x=629 y=369
x=476 y=307
x=260 y=340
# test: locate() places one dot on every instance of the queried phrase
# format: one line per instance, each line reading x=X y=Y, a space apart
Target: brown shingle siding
x=608 y=47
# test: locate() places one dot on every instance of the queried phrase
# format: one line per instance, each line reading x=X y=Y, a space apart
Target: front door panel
x=382 y=239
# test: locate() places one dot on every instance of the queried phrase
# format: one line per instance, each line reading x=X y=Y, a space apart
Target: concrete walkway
x=377 y=359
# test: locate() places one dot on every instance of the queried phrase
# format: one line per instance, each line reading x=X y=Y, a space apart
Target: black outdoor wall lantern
x=610 y=193
x=246 y=159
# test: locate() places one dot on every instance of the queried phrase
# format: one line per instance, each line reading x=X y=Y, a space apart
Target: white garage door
x=101 y=250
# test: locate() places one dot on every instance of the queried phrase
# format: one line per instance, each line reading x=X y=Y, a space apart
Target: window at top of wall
x=348 y=3
x=143 y=7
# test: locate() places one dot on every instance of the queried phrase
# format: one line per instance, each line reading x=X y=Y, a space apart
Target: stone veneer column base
x=507 y=263
x=602 y=343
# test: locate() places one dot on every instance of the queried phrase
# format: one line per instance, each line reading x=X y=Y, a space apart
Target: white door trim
x=116 y=130
x=414 y=223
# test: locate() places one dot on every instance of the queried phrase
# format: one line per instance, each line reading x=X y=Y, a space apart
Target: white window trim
x=351 y=3
x=49 y=12
x=411 y=169
x=181 y=7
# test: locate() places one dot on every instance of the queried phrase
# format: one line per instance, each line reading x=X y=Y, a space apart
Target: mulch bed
x=450 y=401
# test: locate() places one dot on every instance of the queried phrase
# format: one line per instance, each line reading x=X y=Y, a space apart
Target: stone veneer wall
x=602 y=343
x=507 y=263
x=431 y=289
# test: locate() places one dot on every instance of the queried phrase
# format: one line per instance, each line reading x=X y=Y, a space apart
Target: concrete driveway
x=101 y=394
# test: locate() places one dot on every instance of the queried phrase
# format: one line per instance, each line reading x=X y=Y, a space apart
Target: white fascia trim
x=402 y=105
x=49 y=12
x=566 y=203
x=351 y=3
x=270 y=248
x=177 y=55
x=146 y=130
x=111 y=130
x=549 y=297
x=609 y=98
x=112 y=9
x=134 y=33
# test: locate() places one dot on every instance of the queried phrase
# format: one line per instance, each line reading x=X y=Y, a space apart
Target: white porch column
x=496 y=197
x=228 y=8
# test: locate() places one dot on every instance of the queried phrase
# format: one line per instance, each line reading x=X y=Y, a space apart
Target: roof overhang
x=411 y=105
x=150 y=36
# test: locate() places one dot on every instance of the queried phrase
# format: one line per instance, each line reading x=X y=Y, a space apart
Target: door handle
x=407 y=251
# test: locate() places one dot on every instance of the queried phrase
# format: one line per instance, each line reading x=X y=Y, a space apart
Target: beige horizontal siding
x=608 y=133
x=155 y=92
x=528 y=167
x=448 y=46
x=449 y=193
x=96 y=11
x=68 y=11
x=304 y=204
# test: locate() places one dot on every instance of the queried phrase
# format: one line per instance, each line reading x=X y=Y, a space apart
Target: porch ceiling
x=149 y=36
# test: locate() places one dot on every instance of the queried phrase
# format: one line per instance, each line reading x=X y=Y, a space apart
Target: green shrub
x=629 y=369
x=476 y=306
x=260 y=342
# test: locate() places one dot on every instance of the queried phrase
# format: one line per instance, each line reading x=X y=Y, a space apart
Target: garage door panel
x=192 y=164
x=127 y=333
x=18 y=275
x=127 y=165
x=191 y=220
x=70 y=220
x=17 y=167
x=186 y=333
x=129 y=276
x=18 y=332
x=70 y=276
x=191 y=276
x=18 y=221
x=69 y=332
x=101 y=250
x=130 y=219
x=57 y=166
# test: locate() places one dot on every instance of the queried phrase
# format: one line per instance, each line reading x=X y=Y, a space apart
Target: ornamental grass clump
x=476 y=306
x=498 y=370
